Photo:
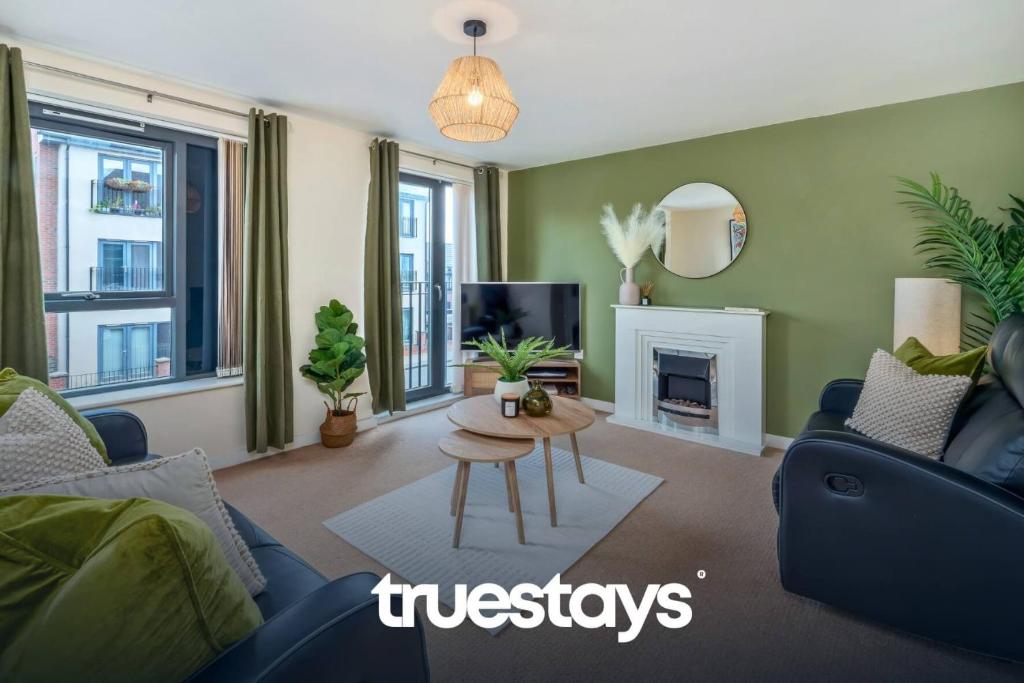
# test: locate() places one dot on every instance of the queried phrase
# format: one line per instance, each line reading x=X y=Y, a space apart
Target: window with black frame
x=127 y=217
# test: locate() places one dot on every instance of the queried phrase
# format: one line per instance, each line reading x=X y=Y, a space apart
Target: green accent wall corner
x=827 y=234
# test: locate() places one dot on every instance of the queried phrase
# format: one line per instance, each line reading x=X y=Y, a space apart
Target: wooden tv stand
x=480 y=381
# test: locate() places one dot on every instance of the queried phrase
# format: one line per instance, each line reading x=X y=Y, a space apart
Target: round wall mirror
x=705 y=229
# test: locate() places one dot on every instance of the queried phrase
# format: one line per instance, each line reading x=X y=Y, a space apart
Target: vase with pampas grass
x=629 y=239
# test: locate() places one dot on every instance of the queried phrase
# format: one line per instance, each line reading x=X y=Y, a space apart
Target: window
x=407 y=267
x=407 y=217
x=127 y=266
x=407 y=325
x=128 y=353
x=127 y=186
x=129 y=272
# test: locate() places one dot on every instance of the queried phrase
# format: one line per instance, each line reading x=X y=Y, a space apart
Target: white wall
x=328 y=167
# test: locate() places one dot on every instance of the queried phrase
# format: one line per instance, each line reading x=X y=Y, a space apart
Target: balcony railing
x=415 y=296
x=161 y=367
x=107 y=200
x=103 y=279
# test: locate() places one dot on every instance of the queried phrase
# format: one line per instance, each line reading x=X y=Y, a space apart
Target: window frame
x=173 y=294
x=126 y=173
x=412 y=230
x=126 y=328
x=402 y=258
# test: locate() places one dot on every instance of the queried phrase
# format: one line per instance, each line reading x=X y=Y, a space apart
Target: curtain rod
x=436 y=159
x=150 y=94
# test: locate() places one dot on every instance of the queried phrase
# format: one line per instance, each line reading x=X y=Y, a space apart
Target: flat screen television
x=521 y=309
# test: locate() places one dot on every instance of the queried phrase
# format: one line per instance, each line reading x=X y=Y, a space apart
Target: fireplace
x=685 y=389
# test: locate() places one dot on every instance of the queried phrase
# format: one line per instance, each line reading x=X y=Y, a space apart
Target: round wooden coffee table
x=467 y=448
x=483 y=416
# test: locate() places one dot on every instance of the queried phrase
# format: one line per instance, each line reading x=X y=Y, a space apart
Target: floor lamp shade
x=929 y=309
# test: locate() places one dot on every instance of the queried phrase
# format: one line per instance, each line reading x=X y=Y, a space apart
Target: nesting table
x=482 y=416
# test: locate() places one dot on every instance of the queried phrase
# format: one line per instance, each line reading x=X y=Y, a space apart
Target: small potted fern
x=513 y=363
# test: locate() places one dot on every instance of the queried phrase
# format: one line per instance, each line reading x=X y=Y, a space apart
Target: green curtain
x=488 y=224
x=269 y=418
x=383 y=304
x=22 y=326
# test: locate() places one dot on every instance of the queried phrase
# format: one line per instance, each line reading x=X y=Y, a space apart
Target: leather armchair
x=314 y=629
x=926 y=546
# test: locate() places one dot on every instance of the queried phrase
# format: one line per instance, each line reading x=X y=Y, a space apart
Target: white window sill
x=116 y=398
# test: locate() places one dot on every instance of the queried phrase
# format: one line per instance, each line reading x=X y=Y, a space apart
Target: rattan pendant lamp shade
x=473 y=102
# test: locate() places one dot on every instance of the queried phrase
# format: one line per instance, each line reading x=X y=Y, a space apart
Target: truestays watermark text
x=527 y=605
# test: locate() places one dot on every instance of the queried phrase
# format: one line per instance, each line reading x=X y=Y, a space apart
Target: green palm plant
x=513 y=363
x=970 y=250
x=338 y=359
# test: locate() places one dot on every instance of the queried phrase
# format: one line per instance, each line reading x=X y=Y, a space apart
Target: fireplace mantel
x=736 y=337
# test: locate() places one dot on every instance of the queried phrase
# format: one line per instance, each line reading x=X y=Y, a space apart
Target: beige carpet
x=713 y=512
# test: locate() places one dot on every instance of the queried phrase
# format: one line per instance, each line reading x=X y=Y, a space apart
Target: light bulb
x=475 y=98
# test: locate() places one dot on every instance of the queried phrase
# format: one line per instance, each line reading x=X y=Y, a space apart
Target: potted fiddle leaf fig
x=336 y=362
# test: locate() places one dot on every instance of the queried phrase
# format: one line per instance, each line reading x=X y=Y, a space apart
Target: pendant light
x=473 y=102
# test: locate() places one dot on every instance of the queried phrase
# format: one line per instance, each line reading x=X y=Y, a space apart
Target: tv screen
x=521 y=309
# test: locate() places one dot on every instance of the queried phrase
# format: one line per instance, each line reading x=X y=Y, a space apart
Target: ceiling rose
x=473 y=102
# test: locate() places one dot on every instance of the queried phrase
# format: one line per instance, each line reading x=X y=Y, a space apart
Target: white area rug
x=409 y=530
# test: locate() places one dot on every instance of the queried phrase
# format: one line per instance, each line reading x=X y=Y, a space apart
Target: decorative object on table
x=642 y=231
x=705 y=230
x=473 y=103
x=510 y=405
x=645 y=293
x=968 y=363
x=928 y=309
x=536 y=401
x=903 y=408
x=336 y=362
x=970 y=250
x=513 y=363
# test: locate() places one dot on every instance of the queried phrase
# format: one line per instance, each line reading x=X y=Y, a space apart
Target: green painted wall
x=827 y=235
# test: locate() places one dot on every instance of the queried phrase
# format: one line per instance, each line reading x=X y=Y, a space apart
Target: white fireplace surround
x=735 y=336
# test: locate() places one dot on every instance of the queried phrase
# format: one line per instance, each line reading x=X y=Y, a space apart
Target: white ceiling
x=591 y=76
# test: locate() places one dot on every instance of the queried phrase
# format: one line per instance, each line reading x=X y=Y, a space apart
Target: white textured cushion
x=906 y=409
x=184 y=480
x=38 y=439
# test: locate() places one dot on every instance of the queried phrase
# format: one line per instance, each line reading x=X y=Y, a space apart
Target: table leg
x=455 y=488
x=576 y=455
x=510 y=469
x=551 y=482
x=508 y=486
x=463 y=486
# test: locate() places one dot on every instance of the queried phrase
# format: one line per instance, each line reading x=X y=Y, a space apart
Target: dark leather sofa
x=935 y=548
x=314 y=629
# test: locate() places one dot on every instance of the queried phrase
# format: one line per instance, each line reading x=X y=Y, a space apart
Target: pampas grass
x=639 y=232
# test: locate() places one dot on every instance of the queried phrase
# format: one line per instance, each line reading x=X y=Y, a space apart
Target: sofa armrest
x=332 y=634
x=122 y=432
x=903 y=540
x=840 y=396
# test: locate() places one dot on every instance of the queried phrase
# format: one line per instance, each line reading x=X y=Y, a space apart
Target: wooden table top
x=465 y=445
x=481 y=414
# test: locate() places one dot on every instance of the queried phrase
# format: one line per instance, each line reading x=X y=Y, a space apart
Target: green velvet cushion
x=969 y=363
x=11 y=386
x=113 y=590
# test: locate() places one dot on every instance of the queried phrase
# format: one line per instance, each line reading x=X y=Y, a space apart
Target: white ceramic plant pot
x=518 y=388
x=629 y=291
